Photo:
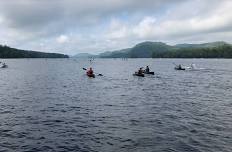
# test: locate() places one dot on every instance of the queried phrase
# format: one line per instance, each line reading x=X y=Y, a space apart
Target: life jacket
x=90 y=72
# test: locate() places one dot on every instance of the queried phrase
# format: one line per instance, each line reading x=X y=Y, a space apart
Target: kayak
x=4 y=66
x=91 y=75
x=177 y=68
x=152 y=73
x=139 y=75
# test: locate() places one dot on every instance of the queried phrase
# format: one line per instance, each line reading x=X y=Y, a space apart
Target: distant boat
x=3 y=65
x=139 y=75
x=179 y=68
x=90 y=75
x=151 y=73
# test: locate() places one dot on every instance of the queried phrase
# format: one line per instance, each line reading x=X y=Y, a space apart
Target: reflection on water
x=50 y=105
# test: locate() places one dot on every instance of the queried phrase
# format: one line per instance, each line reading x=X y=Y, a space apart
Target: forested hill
x=220 y=51
x=8 y=52
x=161 y=50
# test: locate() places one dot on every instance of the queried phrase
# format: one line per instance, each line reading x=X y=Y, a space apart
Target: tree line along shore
x=8 y=52
x=218 y=49
x=162 y=50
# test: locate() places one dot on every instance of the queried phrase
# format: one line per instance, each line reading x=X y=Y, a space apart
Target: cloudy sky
x=93 y=26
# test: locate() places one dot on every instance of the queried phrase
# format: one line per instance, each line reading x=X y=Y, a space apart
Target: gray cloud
x=69 y=26
x=35 y=13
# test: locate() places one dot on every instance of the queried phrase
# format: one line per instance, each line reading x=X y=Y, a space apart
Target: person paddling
x=179 y=67
x=140 y=71
x=147 y=70
x=90 y=71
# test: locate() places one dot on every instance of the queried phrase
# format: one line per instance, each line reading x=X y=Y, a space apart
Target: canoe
x=152 y=73
x=91 y=75
x=139 y=75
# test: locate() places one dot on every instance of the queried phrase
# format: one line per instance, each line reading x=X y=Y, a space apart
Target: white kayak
x=3 y=65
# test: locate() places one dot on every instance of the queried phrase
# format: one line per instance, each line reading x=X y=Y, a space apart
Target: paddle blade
x=100 y=75
x=84 y=69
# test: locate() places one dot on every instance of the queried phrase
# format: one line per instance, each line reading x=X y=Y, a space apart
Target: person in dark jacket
x=140 y=71
x=147 y=70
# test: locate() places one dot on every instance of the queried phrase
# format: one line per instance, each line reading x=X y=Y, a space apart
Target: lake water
x=51 y=105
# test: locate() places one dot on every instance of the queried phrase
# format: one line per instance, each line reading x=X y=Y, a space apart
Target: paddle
x=174 y=64
x=99 y=74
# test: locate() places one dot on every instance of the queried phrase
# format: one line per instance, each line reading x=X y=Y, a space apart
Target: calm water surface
x=50 y=105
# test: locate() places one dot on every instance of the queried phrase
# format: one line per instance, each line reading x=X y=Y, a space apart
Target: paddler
x=90 y=71
x=147 y=70
x=179 y=67
x=140 y=71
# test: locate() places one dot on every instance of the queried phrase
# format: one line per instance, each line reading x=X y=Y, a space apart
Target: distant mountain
x=124 y=53
x=161 y=50
x=146 y=49
x=203 y=45
x=207 y=50
x=83 y=55
x=141 y=50
x=8 y=52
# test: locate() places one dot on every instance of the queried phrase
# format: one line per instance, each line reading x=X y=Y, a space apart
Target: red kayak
x=90 y=75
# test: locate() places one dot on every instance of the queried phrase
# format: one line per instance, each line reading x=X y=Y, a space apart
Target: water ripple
x=57 y=108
